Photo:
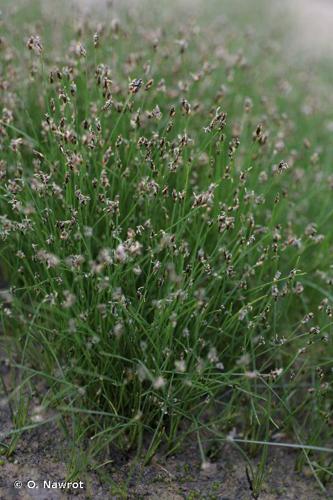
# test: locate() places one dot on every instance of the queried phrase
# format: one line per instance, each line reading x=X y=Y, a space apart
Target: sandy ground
x=311 y=20
x=313 y=26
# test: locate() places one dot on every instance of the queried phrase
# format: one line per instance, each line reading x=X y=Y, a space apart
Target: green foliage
x=165 y=233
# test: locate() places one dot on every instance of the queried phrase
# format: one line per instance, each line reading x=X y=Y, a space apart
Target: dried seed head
x=135 y=86
x=186 y=107
x=34 y=43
